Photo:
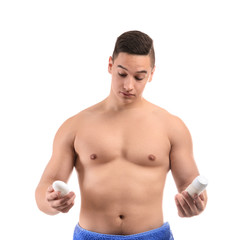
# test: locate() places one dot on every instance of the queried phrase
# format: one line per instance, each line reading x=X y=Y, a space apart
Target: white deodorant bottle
x=197 y=186
x=61 y=187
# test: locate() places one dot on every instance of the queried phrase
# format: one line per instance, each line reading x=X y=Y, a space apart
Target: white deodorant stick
x=61 y=187
x=197 y=186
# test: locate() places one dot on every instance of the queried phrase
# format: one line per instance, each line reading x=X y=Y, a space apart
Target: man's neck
x=115 y=105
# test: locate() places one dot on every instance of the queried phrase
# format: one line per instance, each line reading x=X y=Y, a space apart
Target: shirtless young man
x=122 y=149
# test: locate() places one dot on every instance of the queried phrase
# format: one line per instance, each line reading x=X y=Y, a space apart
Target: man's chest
x=142 y=141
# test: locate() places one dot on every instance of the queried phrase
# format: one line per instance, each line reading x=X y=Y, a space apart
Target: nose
x=128 y=84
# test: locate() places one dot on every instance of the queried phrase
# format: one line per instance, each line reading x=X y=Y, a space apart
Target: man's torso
x=122 y=163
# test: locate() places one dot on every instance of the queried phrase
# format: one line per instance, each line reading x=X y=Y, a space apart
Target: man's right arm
x=59 y=167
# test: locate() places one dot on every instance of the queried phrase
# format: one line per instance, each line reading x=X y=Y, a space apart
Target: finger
x=67 y=197
x=66 y=206
x=63 y=202
x=53 y=196
x=56 y=204
x=202 y=196
x=184 y=205
x=66 y=209
x=199 y=204
x=180 y=210
x=50 y=189
x=191 y=203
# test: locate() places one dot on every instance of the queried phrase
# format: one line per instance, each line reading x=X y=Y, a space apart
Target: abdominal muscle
x=120 y=197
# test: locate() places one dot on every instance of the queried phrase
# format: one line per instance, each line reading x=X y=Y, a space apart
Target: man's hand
x=59 y=203
x=188 y=206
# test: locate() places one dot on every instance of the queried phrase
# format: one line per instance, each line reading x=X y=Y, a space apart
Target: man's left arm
x=184 y=170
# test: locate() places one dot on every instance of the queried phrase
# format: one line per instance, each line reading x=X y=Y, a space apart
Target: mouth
x=127 y=94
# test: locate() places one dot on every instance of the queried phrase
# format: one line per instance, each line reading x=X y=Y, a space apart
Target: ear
x=110 y=65
x=151 y=76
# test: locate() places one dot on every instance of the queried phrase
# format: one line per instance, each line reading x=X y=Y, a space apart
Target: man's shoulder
x=163 y=113
x=80 y=117
x=173 y=122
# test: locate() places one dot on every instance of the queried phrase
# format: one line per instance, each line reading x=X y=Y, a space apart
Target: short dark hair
x=135 y=42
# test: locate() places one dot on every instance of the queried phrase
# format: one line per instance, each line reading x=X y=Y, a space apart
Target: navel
x=152 y=157
x=93 y=156
x=121 y=216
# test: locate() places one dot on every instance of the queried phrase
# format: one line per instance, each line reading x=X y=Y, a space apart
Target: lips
x=127 y=94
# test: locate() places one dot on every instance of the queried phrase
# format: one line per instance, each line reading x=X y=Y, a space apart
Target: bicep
x=63 y=156
x=183 y=166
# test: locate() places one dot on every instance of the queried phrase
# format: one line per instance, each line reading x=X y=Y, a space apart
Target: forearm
x=40 y=196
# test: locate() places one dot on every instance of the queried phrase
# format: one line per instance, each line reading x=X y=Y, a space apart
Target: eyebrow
x=142 y=71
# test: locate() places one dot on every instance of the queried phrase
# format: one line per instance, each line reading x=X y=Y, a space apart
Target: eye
x=139 y=79
x=122 y=74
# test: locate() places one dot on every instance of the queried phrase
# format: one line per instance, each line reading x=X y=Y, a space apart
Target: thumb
x=50 y=189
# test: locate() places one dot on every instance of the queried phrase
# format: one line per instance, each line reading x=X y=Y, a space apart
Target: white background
x=53 y=64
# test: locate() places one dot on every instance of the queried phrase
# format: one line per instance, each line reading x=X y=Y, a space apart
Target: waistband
x=161 y=233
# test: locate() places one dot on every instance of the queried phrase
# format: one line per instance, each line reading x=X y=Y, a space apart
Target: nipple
x=151 y=157
x=93 y=156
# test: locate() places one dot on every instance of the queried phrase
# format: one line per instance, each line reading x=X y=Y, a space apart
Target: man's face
x=130 y=73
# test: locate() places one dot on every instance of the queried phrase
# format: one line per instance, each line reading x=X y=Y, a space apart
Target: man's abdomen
x=121 y=197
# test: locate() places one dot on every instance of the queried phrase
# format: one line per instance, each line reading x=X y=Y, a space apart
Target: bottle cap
x=61 y=187
x=200 y=182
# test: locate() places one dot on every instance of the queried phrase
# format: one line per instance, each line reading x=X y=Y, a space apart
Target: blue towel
x=161 y=233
